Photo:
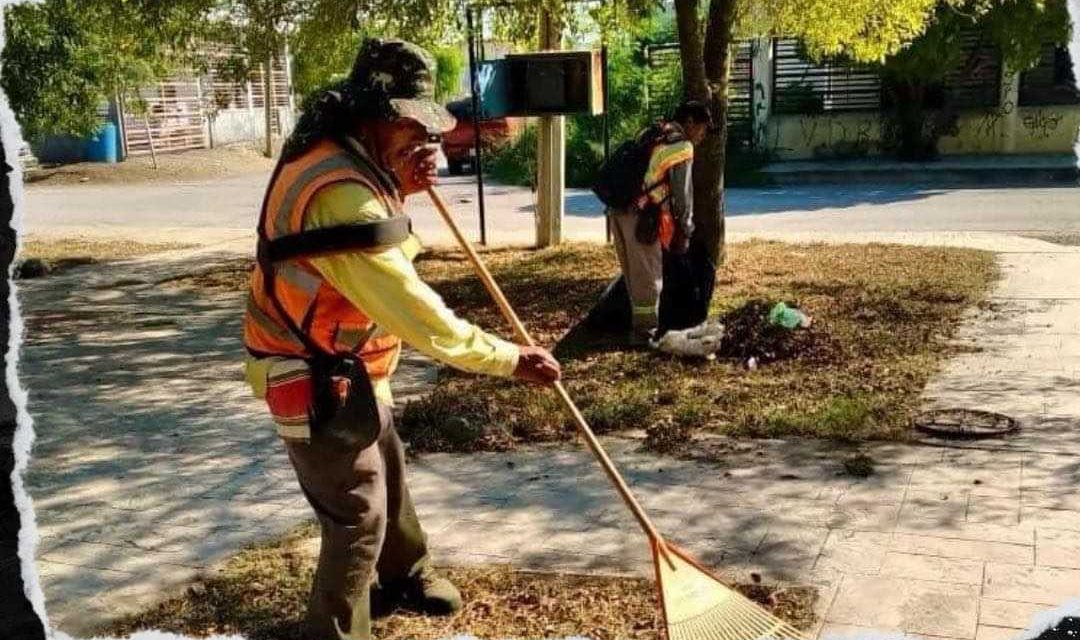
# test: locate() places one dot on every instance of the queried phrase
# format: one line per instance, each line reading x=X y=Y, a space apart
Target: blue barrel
x=102 y=147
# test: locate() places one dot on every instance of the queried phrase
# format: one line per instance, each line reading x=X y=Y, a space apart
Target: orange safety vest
x=327 y=320
x=671 y=149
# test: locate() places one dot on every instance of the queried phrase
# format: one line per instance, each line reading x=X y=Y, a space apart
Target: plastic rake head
x=697 y=606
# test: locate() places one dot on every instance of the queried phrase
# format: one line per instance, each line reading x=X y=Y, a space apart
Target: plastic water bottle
x=788 y=317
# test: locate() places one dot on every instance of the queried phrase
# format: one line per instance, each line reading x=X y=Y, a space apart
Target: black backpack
x=621 y=180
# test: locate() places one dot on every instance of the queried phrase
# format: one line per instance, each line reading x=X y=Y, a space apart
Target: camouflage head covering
x=402 y=72
x=390 y=79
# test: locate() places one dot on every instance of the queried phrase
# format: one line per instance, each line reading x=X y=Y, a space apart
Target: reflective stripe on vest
x=328 y=319
x=665 y=157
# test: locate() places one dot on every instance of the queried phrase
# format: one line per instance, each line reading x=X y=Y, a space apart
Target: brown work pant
x=642 y=268
x=369 y=526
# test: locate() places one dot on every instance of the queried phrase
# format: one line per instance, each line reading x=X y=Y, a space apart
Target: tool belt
x=323 y=396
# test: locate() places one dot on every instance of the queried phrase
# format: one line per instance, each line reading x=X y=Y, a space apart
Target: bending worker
x=333 y=295
x=662 y=216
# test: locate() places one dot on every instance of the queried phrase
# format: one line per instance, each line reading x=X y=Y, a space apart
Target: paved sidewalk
x=140 y=482
x=152 y=460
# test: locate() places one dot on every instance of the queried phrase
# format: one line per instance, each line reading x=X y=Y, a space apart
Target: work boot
x=427 y=592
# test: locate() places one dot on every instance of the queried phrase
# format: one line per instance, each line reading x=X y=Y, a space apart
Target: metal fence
x=802 y=86
x=664 y=87
x=177 y=109
x=1051 y=81
x=975 y=81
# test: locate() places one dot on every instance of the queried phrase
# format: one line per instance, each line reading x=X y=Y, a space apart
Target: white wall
x=247 y=125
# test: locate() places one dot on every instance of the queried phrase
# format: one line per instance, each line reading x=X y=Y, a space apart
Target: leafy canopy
x=63 y=59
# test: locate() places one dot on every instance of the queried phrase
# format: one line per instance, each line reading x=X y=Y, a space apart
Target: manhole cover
x=965 y=423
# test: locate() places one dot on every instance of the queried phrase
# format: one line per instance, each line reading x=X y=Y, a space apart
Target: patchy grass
x=262 y=592
x=181 y=166
x=883 y=316
x=40 y=256
x=882 y=320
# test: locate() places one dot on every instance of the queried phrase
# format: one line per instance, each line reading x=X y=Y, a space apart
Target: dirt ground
x=181 y=166
x=54 y=255
x=261 y=593
x=883 y=318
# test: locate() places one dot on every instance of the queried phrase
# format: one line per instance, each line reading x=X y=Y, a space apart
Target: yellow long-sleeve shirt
x=385 y=286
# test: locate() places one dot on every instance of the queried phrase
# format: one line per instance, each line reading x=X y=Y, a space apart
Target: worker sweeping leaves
x=333 y=295
x=647 y=188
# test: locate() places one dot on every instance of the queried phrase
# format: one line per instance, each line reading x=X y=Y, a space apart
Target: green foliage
x=516 y=162
x=450 y=64
x=919 y=111
x=323 y=51
x=63 y=59
x=863 y=30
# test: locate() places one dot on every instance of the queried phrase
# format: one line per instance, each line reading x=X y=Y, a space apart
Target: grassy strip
x=262 y=592
x=883 y=318
x=40 y=255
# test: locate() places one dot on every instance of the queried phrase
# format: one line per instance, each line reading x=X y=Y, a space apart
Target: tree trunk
x=706 y=73
x=692 y=48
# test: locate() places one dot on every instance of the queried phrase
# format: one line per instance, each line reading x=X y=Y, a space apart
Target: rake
x=695 y=603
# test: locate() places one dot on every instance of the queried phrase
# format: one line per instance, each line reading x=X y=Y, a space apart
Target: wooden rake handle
x=524 y=337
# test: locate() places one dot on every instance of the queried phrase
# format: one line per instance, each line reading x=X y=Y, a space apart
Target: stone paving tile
x=114 y=557
x=934 y=568
x=1055 y=518
x=853 y=552
x=1057 y=548
x=999 y=510
x=832 y=631
x=1038 y=585
x=1062 y=499
x=986 y=632
x=969 y=549
x=1051 y=473
x=864 y=517
x=1006 y=613
x=940 y=508
x=911 y=606
x=1011 y=534
x=788 y=553
x=996 y=472
x=489 y=539
x=600 y=541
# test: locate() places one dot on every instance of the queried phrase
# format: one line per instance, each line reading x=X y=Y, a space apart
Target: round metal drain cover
x=965 y=424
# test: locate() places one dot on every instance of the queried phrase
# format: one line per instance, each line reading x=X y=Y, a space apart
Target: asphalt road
x=210 y=211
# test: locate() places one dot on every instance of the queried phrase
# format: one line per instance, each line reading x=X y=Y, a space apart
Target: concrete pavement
x=139 y=482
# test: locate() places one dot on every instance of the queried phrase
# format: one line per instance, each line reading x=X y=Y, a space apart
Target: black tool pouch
x=344 y=407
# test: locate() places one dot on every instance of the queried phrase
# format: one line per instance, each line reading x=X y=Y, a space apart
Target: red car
x=458 y=144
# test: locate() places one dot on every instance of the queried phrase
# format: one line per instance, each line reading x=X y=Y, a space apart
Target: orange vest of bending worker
x=327 y=318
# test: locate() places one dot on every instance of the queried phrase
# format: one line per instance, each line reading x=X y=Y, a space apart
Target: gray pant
x=643 y=269
x=369 y=526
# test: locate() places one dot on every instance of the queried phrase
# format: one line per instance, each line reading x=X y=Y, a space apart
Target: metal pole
x=607 y=131
x=474 y=81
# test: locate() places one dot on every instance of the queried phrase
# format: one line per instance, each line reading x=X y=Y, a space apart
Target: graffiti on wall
x=832 y=136
x=1042 y=123
x=993 y=122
